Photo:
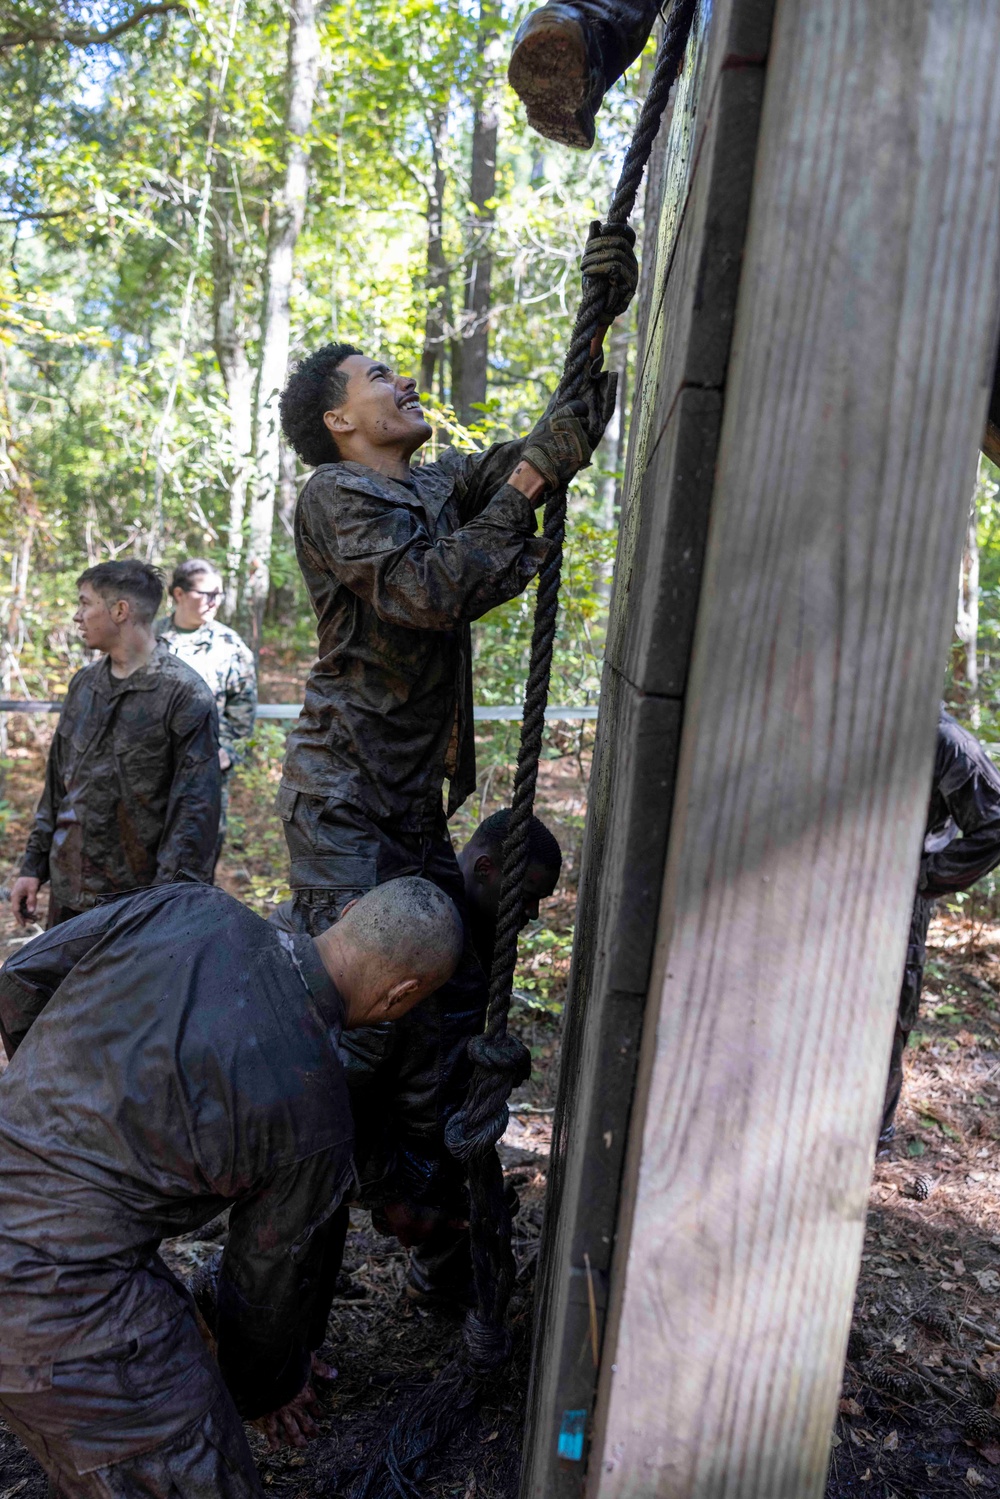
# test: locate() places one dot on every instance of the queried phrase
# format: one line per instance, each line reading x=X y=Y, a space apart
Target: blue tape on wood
x=571 y=1432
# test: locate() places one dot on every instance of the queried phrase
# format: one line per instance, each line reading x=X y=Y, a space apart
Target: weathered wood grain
x=673 y=445
x=854 y=402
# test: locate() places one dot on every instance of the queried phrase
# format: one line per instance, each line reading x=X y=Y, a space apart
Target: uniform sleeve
x=35 y=863
x=481 y=476
x=973 y=801
x=236 y=723
x=191 y=826
x=29 y=979
x=271 y=1277
x=383 y=552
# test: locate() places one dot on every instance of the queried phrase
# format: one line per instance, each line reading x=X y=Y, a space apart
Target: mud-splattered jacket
x=132 y=784
x=226 y=663
x=961 y=842
x=174 y=1055
x=965 y=799
x=395 y=572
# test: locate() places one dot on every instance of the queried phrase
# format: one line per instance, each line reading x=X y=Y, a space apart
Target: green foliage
x=113 y=411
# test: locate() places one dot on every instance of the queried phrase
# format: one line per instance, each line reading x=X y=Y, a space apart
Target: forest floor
x=919 y=1413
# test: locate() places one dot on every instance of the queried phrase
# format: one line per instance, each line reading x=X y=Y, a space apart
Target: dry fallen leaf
x=974 y=1479
x=991 y=1452
x=891 y=1442
x=958 y=1266
x=988 y=1279
x=850 y=1408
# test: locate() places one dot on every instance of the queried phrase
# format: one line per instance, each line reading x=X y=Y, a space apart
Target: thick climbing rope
x=501 y=1061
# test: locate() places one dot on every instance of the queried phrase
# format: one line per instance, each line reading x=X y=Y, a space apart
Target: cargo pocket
x=284 y=803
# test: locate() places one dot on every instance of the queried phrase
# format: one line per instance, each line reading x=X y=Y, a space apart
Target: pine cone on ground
x=987 y=1387
x=919 y=1188
x=892 y=1381
x=981 y=1427
x=937 y=1320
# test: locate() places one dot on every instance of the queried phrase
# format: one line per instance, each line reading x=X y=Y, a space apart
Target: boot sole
x=549 y=73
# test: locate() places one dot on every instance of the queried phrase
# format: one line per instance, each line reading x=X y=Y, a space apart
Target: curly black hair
x=314 y=386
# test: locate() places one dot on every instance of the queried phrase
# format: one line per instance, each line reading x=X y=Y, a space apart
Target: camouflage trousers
x=151 y=1417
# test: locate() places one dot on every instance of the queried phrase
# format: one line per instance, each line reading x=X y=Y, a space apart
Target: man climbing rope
x=566 y=56
x=961 y=845
x=174 y=1055
x=398 y=560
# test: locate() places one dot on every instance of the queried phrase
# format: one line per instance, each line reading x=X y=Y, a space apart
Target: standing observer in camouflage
x=219 y=656
x=132 y=784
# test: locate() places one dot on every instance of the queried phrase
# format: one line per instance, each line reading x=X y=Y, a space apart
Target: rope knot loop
x=609 y=256
x=502 y=1063
x=487 y=1345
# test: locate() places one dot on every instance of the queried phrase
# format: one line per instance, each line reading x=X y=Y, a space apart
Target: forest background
x=193 y=193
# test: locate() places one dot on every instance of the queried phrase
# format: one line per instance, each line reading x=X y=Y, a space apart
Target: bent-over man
x=398 y=560
x=132 y=782
x=174 y=1054
x=961 y=845
x=220 y=657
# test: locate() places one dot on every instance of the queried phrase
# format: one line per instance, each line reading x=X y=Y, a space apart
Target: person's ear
x=483 y=868
x=350 y=905
x=120 y=611
x=398 y=995
x=336 y=422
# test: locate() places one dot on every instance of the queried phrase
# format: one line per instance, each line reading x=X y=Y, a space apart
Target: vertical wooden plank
x=855 y=399
x=672 y=451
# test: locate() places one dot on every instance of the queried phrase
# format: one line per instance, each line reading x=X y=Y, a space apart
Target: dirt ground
x=919 y=1413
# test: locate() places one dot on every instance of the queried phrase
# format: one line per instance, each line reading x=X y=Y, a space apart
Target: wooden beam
x=865 y=341
x=707 y=172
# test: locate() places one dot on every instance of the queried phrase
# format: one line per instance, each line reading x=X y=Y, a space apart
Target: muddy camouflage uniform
x=226 y=663
x=396 y=572
x=174 y=1055
x=961 y=845
x=131 y=787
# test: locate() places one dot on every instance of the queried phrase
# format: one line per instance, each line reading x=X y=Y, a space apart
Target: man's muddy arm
x=191 y=828
x=270 y=1277
x=384 y=554
x=35 y=863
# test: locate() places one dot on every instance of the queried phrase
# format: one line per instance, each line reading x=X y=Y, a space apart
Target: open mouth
x=412 y=403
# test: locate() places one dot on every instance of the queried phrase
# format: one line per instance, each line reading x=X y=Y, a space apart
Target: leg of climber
x=566 y=56
x=909 y=1006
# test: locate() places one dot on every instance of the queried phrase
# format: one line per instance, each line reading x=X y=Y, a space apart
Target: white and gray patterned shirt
x=226 y=663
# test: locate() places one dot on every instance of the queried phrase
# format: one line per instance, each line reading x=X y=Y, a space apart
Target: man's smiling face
x=380 y=410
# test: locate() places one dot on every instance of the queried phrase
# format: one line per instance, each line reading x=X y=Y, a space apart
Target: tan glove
x=559 y=445
x=609 y=255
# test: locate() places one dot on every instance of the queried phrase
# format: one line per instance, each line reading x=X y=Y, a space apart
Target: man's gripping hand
x=24 y=899
x=559 y=445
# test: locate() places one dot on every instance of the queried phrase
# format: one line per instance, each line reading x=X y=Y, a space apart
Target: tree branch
x=86 y=37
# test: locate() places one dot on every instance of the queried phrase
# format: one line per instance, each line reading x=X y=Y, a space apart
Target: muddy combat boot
x=567 y=55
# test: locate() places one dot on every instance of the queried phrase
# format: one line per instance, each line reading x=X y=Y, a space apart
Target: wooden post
x=835 y=502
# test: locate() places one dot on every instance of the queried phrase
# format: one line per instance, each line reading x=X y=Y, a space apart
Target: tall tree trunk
x=237 y=375
x=287 y=213
x=438 y=315
x=470 y=385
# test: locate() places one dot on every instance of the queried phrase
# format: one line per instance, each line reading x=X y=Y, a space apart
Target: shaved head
x=407 y=923
x=393 y=947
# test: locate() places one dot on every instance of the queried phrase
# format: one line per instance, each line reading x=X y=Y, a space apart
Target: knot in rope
x=487 y=1345
x=502 y=1062
x=609 y=257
